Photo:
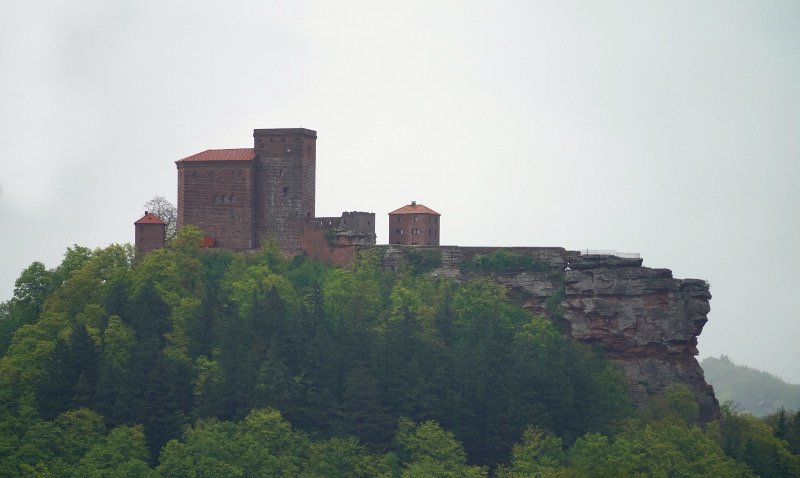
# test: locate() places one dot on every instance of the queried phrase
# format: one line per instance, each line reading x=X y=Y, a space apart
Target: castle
x=241 y=198
x=645 y=320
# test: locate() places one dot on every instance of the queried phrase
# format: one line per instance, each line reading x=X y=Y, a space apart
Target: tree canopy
x=214 y=363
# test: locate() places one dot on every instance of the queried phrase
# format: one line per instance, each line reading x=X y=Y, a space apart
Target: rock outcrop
x=644 y=319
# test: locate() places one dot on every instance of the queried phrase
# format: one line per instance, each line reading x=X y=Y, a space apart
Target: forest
x=197 y=363
x=754 y=391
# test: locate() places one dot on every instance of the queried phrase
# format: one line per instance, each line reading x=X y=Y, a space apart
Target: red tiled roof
x=241 y=154
x=208 y=241
x=415 y=208
x=149 y=218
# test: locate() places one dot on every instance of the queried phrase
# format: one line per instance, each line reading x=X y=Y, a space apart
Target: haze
x=665 y=128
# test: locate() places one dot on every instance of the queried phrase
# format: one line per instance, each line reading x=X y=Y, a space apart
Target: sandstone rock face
x=644 y=319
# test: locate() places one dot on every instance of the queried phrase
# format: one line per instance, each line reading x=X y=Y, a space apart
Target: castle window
x=415 y=218
x=285 y=191
x=415 y=232
x=398 y=218
x=399 y=232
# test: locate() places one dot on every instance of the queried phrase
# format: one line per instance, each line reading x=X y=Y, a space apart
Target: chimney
x=413 y=203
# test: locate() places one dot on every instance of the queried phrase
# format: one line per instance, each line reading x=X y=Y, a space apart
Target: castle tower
x=149 y=234
x=241 y=198
x=284 y=179
x=414 y=225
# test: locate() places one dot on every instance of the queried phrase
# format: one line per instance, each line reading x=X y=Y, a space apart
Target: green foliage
x=57 y=446
x=503 y=261
x=421 y=260
x=752 y=441
x=660 y=448
x=786 y=426
x=185 y=334
x=677 y=404
x=553 y=303
x=211 y=363
x=120 y=454
x=539 y=453
x=429 y=451
x=754 y=391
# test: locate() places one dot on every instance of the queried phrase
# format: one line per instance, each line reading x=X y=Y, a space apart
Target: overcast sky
x=666 y=128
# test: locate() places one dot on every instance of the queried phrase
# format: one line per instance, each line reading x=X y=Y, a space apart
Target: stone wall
x=414 y=229
x=218 y=197
x=333 y=240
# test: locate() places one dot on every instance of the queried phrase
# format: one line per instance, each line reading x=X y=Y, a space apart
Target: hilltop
x=751 y=390
x=191 y=362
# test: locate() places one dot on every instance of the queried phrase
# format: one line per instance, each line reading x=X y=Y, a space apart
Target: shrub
x=503 y=260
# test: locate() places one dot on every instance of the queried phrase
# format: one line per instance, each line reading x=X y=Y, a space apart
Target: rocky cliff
x=644 y=319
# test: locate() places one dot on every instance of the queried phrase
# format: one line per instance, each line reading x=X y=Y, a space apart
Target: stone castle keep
x=644 y=319
x=240 y=198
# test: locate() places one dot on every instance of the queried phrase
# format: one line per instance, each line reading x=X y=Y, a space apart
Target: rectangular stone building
x=243 y=197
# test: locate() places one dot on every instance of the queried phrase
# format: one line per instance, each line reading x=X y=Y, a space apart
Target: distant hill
x=753 y=391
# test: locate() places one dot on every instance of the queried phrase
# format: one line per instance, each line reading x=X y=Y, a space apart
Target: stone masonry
x=149 y=234
x=244 y=197
x=414 y=225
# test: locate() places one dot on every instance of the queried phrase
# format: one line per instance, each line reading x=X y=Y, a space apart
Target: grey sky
x=668 y=128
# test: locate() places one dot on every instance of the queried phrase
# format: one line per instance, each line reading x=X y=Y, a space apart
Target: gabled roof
x=240 y=154
x=150 y=218
x=415 y=208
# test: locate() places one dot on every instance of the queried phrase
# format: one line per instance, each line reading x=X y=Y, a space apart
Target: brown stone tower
x=149 y=234
x=240 y=198
x=414 y=224
x=284 y=184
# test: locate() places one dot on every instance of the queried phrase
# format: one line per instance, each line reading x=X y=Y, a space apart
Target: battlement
x=284 y=132
x=353 y=221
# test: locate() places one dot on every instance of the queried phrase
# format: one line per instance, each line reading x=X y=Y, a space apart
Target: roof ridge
x=223 y=154
x=415 y=208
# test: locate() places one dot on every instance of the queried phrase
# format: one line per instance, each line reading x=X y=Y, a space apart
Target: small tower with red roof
x=414 y=225
x=150 y=233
